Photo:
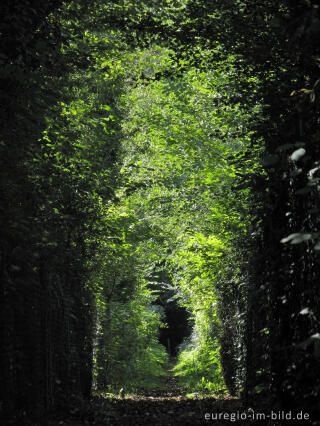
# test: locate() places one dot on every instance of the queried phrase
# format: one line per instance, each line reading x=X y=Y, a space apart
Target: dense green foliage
x=152 y=149
x=58 y=168
x=181 y=140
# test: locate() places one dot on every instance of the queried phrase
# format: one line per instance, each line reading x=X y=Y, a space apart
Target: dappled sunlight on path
x=168 y=405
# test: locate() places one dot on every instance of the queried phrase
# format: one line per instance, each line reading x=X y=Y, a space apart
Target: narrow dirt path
x=166 y=406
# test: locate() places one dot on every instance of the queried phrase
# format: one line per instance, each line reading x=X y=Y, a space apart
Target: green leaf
x=305 y=311
x=298 y=154
x=297 y=238
x=314 y=338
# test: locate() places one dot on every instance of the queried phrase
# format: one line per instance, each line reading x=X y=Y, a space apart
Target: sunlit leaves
x=298 y=154
x=297 y=238
x=186 y=142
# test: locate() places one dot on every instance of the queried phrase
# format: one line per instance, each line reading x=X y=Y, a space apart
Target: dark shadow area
x=178 y=327
x=177 y=318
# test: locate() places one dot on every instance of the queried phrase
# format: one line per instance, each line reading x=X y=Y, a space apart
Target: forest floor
x=168 y=405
